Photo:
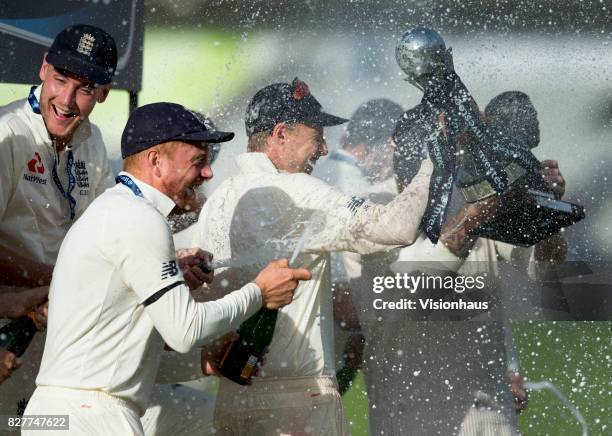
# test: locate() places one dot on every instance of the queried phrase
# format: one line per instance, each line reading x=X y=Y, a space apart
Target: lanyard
x=66 y=193
x=33 y=101
x=127 y=181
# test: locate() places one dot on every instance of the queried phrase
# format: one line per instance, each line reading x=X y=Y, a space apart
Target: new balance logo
x=355 y=204
x=169 y=269
x=86 y=44
x=35 y=165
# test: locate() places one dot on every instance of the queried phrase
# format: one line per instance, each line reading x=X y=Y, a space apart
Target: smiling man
x=53 y=164
x=118 y=294
x=52 y=159
x=270 y=208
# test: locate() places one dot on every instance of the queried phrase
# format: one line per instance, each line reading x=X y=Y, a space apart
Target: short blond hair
x=258 y=141
x=133 y=161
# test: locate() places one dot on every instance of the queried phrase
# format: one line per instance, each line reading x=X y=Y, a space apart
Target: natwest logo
x=35 y=165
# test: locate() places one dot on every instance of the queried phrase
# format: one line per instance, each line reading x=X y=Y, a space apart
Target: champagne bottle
x=243 y=355
x=345 y=377
x=17 y=335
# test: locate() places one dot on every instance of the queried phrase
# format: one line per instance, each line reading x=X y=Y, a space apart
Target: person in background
x=363 y=167
x=446 y=372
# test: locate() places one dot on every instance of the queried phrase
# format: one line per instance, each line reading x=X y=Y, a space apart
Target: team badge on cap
x=286 y=103
x=86 y=44
x=300 y=89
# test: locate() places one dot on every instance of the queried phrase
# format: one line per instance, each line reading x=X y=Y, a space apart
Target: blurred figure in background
x=446 y=372
x=362 y=167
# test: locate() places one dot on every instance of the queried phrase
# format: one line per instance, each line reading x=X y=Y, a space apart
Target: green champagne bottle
x=17 y=335
x=243 y=355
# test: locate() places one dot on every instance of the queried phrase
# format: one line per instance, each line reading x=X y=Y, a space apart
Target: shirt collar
x=82 y=133
x=255 y=162
x=159 y=200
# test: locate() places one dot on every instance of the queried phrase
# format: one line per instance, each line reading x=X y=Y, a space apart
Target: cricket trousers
x=91 y=413
x=294 y=406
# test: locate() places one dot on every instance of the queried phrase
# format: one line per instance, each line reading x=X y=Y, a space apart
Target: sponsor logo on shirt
x=35 y=167
x=169 y=269
x=82 y=177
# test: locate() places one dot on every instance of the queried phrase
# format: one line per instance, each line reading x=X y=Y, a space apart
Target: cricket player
x=118 y=294
x=447 y=372
x=273 y=205
x=53 y=164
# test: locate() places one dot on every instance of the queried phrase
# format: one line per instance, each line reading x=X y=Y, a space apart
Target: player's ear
x=103 y=91
x=153 y=161
x=44 y=68
x=279 y=132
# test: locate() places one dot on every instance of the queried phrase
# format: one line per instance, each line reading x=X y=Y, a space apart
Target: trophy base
x=529 y=218
x=482 y=189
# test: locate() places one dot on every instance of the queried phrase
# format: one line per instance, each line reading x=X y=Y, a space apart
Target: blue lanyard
x=71 y=182
x=33 y=101
x=67 y=194
x=127 y=181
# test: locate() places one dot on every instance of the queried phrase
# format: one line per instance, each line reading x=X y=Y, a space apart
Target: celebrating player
x=118 y=294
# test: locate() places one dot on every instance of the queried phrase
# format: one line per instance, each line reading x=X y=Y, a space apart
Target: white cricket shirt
x=117 y=295
x=262 y=214
x=34 y=215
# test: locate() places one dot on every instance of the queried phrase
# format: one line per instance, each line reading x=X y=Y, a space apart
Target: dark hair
x=372 y=124
x=514 y=116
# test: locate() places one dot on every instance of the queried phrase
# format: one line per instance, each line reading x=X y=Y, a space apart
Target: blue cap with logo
x=156 y=123
x=286 y=103
x=86 y=51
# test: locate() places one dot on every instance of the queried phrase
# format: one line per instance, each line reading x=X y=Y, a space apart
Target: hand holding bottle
x=8 y=363
x=278 y=282
x=16 y=304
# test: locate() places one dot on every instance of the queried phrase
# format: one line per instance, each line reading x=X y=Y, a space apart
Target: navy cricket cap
x=86 y=51
x=286 y=103
x=156 y=123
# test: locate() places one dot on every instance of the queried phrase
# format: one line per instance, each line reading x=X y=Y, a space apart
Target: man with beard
x=272 y=206
x=118 y=294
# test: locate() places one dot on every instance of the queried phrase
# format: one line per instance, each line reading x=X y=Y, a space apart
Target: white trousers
x=177 y=410
x=285 y=406
x=91 y=413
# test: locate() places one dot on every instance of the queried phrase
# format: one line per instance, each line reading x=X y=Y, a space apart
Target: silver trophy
x=421 y=53
x=529 y=213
